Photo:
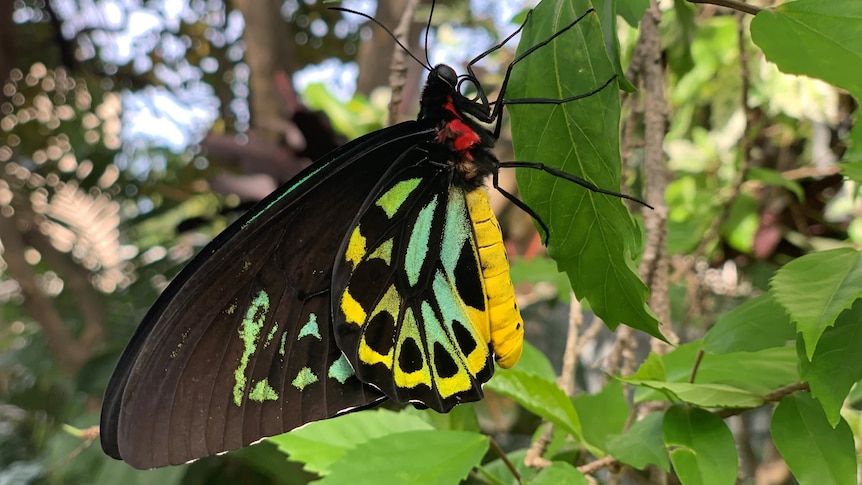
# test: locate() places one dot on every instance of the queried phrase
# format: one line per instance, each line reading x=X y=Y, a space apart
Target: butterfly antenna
x=385 y=29
x=428 y=29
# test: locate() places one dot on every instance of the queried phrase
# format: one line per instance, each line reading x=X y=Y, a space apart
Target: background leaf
x=837 y=363
x=610 y=404
x=441 y=457
x=559 y=472
x=641 y=445
x=700 y=445
x=814 y=451
x=540 y=397
x=757 y=324
x=321 y=443
x=828 y=30
x=814 y=289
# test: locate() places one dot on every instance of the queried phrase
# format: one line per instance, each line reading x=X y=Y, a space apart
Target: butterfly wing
x=239 y=347
x=410 y=291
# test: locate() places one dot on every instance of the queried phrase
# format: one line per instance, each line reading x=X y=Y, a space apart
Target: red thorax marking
x=462 y=136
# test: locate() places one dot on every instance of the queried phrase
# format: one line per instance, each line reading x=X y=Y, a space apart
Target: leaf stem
x=731 y=4
x=499 y=451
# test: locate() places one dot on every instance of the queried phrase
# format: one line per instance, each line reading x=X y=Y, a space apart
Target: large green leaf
x=816 y=288
x=828 y=30
x=705 y=395
x=442 y=457
x=745 y=374
x=757 y=324
x=815 y=451
x=837 y=362
x=641 y=445
x=604 y=414
x=559 y=472
x=533 y=361
x=700 y=445
x=322 y=443
x=539 y=396
x=593 y=238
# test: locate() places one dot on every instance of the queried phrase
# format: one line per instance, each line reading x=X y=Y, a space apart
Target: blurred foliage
x=102 y=204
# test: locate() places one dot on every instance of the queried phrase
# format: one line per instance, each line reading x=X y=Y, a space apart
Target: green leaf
x=113 y=472
x=815 y=451
x=641 y=445
x=498 y=473
x=533 y=361
x=759 y=372
x=701 y=447
x=756 y=324
x=651 y=369
x=751 y=373
x=321 y=443
x=773 y=177
x=559 y=472
x=632 y=10
x=814 y=289
x=539 y=396
x=593 y=238
x=610 y=405
x=410 y=457
x=741 y=224
x=460 y=418
x=540 y=269
x=852 y=170
x=837 y=363
x=705 y=395
x=828 y=30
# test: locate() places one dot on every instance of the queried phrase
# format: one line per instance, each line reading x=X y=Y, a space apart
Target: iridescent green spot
x=271 y=334
x=231 y=309
x=310 y=328
x=340 y=370
x=283 y=341
x=176 y=351
x=304 y=378
x=392 y=200
x=249 y=332
x=262 y=391
x=417 y=248
x=384 y=252
x=246 y=265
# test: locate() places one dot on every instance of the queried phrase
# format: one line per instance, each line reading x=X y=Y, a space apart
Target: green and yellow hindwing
x=422 y=299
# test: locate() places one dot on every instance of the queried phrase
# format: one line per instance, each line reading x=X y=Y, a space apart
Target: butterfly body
x=313 y=304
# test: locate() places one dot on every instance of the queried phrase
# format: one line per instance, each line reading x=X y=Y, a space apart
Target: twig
x=570 y=356
x=697 y=361
x=738 y=6
x=773 y=396
x=655 y=263
x=534 y=458
x=502 y=454
x=597 y=465
x=398 y=67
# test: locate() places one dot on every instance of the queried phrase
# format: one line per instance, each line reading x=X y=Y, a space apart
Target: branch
x=69 y=353
x=738 y=6
x=398 y=67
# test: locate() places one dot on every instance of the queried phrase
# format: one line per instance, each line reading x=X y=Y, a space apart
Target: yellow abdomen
x=507 y=326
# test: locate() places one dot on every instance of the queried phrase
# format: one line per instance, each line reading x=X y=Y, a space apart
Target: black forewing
x=174 y=395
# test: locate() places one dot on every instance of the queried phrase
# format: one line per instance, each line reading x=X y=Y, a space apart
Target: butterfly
x=379 y=272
